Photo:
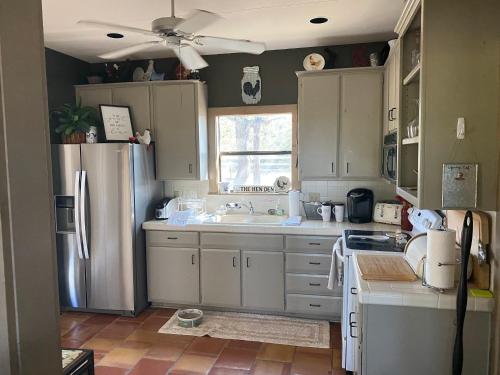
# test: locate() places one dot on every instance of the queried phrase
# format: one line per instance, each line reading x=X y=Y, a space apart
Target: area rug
x=254 y=327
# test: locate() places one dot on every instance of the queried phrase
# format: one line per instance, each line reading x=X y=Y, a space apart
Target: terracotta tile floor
x=132 y=346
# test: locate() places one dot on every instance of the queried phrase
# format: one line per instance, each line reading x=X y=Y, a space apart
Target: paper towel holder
x=424 y=279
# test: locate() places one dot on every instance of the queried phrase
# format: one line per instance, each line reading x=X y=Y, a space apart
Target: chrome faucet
x=238 y=205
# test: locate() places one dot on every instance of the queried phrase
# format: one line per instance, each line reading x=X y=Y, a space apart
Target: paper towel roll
x=294 y=203
x=440 y=250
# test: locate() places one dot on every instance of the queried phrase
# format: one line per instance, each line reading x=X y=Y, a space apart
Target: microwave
x=390 y=157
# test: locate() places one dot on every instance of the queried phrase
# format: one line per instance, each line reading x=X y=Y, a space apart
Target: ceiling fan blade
x=189 y=57
x=128 y=50
x=235 y=45
x=115 y=27
x=197 y=21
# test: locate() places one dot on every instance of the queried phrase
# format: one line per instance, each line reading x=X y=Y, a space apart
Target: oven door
x=389 y=163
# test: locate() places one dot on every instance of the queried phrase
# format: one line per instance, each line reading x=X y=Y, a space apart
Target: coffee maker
x=360 y=205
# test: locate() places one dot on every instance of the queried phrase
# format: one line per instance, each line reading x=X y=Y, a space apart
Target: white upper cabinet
x=180 y=118
x=340 y=123
x=360 y=128
x=319 y=101
x=176 y=114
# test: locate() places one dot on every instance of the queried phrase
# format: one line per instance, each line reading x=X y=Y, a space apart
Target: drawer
x=241 y=241
x=314 y=305
x=310 y=243
x=173 y=239
x=318 y=264
x=310 y=284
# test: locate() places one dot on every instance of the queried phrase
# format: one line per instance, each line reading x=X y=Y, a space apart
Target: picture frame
x=117 y=122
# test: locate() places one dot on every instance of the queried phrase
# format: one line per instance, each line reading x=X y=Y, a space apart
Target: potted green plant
x=74 y=121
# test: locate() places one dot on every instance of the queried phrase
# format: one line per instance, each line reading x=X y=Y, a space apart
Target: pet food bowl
x=189 y=318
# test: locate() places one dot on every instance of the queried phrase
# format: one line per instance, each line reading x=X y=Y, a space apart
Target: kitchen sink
x=255 y=219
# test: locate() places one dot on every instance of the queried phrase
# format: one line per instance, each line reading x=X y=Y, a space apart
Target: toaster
x=388 y=212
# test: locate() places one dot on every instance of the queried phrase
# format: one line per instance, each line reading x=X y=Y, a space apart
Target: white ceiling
x=278 y=23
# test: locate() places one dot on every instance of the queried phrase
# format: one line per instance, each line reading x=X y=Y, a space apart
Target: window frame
x=213 y=144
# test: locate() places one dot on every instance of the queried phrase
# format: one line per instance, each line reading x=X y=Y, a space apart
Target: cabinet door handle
x=314 y=243
x=389 y=115
x=392 y=114
x=315 y=263
x=347 y=167
x=193 y=259
x=354 y=291
x=190 y=168
x=234 y=262
x=314 y=305
x=333 y=167
x=172 y=238
x=248 y=262
x=314 y=284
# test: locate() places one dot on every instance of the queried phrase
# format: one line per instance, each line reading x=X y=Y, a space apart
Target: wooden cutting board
x=481 y=232
x=385 y=268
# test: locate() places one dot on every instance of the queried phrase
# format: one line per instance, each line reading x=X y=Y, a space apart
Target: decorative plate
x=314 y=61
x=282 y=184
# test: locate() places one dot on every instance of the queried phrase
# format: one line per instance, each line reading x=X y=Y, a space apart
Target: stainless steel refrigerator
x=103 y=194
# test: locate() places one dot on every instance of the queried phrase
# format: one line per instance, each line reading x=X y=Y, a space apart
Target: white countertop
x=307 y=227
x=414 y=294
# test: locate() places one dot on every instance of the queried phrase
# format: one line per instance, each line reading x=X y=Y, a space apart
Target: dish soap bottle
x=279 y=210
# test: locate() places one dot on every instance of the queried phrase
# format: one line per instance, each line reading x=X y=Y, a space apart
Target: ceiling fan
x=180 y=36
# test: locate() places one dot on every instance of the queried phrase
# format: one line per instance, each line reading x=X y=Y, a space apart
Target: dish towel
x=337 y=265
x=292 y=221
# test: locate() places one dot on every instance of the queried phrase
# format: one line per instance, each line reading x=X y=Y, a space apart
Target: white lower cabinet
x=263 y=280
x=220 y=277
x=173 y=275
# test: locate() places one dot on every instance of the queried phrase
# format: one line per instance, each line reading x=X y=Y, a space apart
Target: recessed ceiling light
x=318 y=20
x=114 y=35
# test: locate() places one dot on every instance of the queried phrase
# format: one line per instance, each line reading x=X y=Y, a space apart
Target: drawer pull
x=315 y=263
x=314 y=243
x=172 y=238
x=314 y=305
x=314 y=284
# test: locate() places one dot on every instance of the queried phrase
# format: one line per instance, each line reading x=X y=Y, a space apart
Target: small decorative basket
x=189 y=318
x=311 y=210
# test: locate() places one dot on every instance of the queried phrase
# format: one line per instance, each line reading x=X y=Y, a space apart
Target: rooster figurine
x=144 y=139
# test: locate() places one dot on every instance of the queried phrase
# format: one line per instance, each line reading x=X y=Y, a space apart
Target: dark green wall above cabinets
x=277 y=70
x=63 y=72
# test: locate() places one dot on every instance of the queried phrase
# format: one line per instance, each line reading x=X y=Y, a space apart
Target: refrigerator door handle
x=77 y=215
x=83 y=215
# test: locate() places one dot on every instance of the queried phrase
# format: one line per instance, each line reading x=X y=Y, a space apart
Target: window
x=254 y=146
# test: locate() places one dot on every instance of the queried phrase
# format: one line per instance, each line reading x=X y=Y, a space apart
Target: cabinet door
x=318 y=125
x=263 y=280
x=137 y=98
x=92 y=97
x=175 y=126
x=395 y=82
x=173 y=275
x=220 y=277
x=386 y=107
x=360 y=149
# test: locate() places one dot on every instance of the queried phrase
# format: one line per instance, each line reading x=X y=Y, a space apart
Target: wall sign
x=251 y=85
x=253 y=189
x=117 y=122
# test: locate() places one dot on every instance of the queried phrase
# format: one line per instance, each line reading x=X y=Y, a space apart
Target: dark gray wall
x=277 y=70
x=63 y=72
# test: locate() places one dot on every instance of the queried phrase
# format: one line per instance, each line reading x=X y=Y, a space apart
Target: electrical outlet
x=461 y=128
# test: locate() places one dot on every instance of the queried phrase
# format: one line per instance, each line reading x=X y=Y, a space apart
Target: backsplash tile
x=328 y=190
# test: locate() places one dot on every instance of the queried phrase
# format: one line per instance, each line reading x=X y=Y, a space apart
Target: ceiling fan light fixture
x=318 y=20
x=114 y=35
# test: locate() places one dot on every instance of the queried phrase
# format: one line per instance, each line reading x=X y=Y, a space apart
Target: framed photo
x=117 y=122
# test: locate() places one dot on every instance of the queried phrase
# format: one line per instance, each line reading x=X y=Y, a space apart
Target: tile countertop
x=412 y=294
x=307 y=227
